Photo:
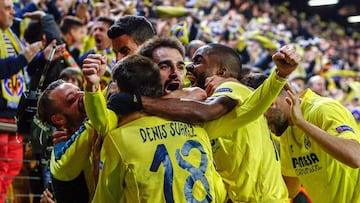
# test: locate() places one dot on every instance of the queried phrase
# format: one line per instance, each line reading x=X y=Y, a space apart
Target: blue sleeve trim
x=61 y=148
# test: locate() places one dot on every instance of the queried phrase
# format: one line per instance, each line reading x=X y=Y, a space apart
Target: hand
x=286 y=60
x=93 y=68
x=124 y=103
x=35 y=15
x=211 y=83
x=61 y=136
x=32 y=49
x=59 y=50
x=294 y=101
x=47 y=197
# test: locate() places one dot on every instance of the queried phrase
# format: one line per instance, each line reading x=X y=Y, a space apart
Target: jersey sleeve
x=336 y=120
x=260 y=100
x=103 y=119
x=251 y=105
x=69 y=158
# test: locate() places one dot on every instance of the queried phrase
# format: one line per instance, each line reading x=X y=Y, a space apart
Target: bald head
x=318 y=85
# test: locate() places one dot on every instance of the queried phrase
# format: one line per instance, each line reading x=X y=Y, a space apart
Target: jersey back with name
x=164 y=161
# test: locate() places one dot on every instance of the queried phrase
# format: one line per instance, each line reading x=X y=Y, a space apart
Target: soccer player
x=61 y=106
x=319 y=146
x=245 y=158
x=148 y=158
x=170 y=58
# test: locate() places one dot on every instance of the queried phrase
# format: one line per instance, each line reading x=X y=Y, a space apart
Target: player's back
x=162 y=161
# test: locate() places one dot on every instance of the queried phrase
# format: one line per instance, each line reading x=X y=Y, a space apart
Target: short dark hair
x=69 y=22
x=137 y=27
x=226 y=57
x=149 y=46
x=254 y=80
x=105 y=19
x=45 y=107
x=138 y=74
x=33 y=32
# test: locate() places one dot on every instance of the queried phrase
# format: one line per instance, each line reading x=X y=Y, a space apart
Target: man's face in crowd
x=78 y=33
x=102 y=41
x=68 y=99
x=203 y=65
x=123 y=46
x=172 y=68
x=7 y=14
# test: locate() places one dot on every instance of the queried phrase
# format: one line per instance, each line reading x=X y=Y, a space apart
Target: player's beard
x=200 y=80
x=278 y=122
x=281 y=127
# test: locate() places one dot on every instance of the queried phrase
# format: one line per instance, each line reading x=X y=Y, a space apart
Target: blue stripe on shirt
x=61 y=148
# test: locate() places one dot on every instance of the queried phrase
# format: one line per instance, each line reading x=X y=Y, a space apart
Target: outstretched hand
x=93 y=68
x=35 y=15
x=47 y=197
x=286 y=60
x=32 y=49
x=59 y=50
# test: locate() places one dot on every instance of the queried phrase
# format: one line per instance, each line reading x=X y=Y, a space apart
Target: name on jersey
x=306 y=164
x=165 y=131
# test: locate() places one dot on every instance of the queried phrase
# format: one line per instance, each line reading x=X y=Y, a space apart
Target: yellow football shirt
x=103 y=119
x=247 y=158
x=71 y=157
x=324 y=178
x=152 y=159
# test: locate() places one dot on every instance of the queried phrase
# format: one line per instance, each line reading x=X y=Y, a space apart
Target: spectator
x=318 y=84
x=13 y=59
x=128 y=33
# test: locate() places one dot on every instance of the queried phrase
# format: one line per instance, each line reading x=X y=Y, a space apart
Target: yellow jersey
x=247 y=158
x=324 y=178
x=72 y=157
x=152 y=159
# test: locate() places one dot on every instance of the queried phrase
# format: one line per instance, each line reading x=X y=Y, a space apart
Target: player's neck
x=132 y=117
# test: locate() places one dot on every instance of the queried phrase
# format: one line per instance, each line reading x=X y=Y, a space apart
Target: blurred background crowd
x=330 y=49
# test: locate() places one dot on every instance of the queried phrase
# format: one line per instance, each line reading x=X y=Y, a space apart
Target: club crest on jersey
x=307 y=142
x=344 y=128
x=225 y=89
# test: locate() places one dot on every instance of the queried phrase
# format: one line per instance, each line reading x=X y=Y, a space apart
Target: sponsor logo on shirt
x=306 y=164
x=225 y=89
x=344 y=128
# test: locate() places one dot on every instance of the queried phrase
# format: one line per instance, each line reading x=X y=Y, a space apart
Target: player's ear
x=58 y=119
x=221 y=71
